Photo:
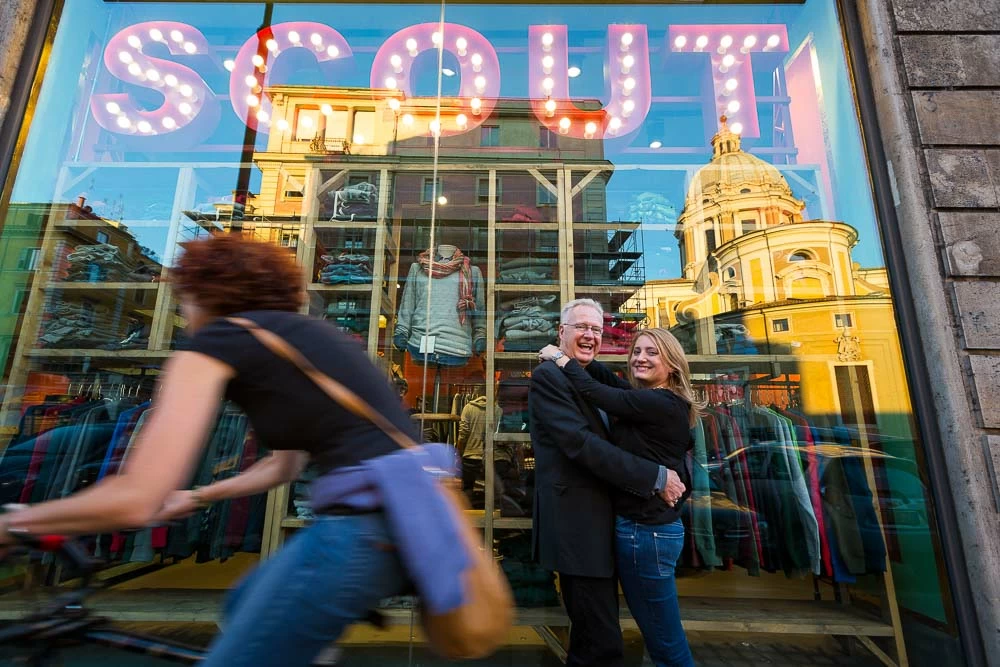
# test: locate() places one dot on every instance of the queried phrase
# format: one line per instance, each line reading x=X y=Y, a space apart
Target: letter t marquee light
x=729 y=48
x=626 y=71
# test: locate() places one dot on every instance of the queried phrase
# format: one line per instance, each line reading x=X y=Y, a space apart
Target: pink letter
x=478 y=64
x=185 y=94
x=251 y=74
x=728 y=48
x=627 y=70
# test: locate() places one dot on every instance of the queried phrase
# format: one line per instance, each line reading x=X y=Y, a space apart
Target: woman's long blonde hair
x=679 y=380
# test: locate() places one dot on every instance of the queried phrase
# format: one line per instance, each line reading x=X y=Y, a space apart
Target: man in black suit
x=575 y=466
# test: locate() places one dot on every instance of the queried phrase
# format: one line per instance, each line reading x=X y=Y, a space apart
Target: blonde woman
x=653 y=414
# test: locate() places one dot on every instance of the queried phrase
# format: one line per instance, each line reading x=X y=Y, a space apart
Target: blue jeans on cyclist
x=295 y=604
x=646 y=556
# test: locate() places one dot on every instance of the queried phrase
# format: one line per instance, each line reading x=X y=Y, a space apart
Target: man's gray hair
x=568 y=308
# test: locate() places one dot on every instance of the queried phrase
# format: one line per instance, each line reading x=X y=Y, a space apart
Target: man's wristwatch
x=558 y=355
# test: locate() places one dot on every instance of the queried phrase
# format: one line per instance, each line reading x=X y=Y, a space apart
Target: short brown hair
x=226 y=273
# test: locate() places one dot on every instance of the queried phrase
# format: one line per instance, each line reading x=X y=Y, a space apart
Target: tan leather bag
x=480 y=626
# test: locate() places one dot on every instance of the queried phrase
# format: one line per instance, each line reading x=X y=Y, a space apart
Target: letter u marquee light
x=626 y=71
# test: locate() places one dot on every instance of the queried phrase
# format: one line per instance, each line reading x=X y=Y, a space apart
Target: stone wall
x=935 y=67
x=15 y=19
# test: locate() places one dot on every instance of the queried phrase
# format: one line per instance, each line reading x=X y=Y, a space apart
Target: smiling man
x=576 y=468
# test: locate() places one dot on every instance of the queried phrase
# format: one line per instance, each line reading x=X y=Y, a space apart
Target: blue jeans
x=647 y=555
x=296 y=603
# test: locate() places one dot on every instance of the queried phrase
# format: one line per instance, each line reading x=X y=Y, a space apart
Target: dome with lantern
x=733 y=172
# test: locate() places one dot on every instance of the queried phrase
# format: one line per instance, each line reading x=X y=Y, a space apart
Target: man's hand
x=178 y=505
x=674 y=488
x=547 y=353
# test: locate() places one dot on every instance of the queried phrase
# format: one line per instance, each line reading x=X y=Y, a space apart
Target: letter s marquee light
x=626 y=69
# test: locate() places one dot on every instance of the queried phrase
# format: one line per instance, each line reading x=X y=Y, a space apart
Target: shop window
x=364 y=127
x=547 y=138
x=843 y=320
x=27 y=260
x=306 y=123
x=545 y=197
x=428 y=191
x=779 y=326
x=489 y=135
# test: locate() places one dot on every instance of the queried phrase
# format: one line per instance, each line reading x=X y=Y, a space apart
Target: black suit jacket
x=575 y=467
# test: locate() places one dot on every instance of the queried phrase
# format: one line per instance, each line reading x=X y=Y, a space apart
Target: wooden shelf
x=511 y=437
x=527 y=226
x=84 y=286
x=347 y=225
x=516 y=356
x=68 y=353
x=518 y=287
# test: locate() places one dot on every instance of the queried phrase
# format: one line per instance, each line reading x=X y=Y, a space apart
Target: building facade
x=804 y=193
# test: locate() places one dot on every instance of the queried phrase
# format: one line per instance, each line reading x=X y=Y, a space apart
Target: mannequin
x=455 y=326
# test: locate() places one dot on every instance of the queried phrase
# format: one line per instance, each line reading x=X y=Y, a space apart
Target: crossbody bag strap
x=335 y=390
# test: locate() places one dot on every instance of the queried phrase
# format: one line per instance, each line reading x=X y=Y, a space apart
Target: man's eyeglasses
x=584 y=328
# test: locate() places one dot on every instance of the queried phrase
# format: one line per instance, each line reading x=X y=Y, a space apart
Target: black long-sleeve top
x=650 y=423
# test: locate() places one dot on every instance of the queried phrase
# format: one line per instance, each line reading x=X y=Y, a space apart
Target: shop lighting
x=359 y=138
x=304 y=121
x=656 y=144
x=251 y=81
x=190 y=48
x=411 y=47
x=436 y=38
x=125 y=57
x=282 y=124
x=447 y=72
x=155 y=35
x=773 y=41
x=477 y=62
x=628 y=106
x=731 y=84
x=332 y=51
x=701 y=42
x=564 y=124
x=614 y=124
x=257 y=60
x=394 y=104
x=293 y=37
x=184 y=108
x=113 y=108
x=144 y=126
x=186 y=90
x=272 y=45
x=134 y=69
x=726 y=42
x=170 y=80
x=168 y=122
x=589 y=129
x=680 y=41
x=461 y=44
x=442 y=200
x=550 y=107
x=316 y=39
x=435 y=127
x=477 y=106
x=548 y=84
x=626 y=41
x=627 y=63
x=397 y=62
x=733 y=106
x=628 y=86
x=123 y=122
x=326 y=110
x=134 y=41
x=262 y=116
x=229 y=64
x=480 y=83
x=737 y=128
x=573 y=72
x=547 y=41
x=390 y=82
x=728 y=60
x=152 y=75
x=749 y=42
x=253 y=101
x=177 y=36
x=461 y=120
x=548 y=62
x=407 y=119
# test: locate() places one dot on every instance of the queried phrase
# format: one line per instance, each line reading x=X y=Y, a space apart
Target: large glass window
x=695 y=167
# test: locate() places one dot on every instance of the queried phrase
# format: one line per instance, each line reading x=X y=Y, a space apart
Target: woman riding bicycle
x=336 y=569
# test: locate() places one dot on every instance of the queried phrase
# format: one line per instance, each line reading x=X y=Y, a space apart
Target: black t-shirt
x=286 y=409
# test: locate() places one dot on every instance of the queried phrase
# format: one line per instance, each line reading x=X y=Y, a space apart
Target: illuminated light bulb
x=155 y=35
x=257 y=60
x=436 y=38
x=229 y=64
x=262 y=116
x=190 y=47
x=359 y=138
x=701 y=42
x=461 y=120
x=548 y=84
x=170 y=80
x=628 y=85
x=123 y=122
x=152 y=75
x=477 y=62
x=728 y=60
x=282 y=124
x=332 y=51
x=306 y=121
x=731 y=84
x=477 y=106
x=480 y=83
x=134 y=41
x=628 y=106
x=655 y=144
x=726 y=41
x=316 y=39
x=564 y=124
x=168 y=122
x=442 y=200
x=573 y=72
x=184 y=108
x=134 y=69
x=144 y=126
x=447 y=72
x=272 y=45
x=550 y=108
x=113 y=108
x=773 y=41
x=626 y=41
x=614 y=124
x=547 y=41
x=733 y=106
x=394 y=104
x=547 y=63
x=186 y=90
x=435 y=127
x=293 y=37
x=627 y=63
x=589 y=129
x=737 y=128
x=396 y=61
x=390 y=82
x=407 y=119
x=461 y=44
x=749 y=42
x=680 y=41
x=177 y=36
x=326 y=110
x=125 y=57
x=411 y=46
x=251 y=81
